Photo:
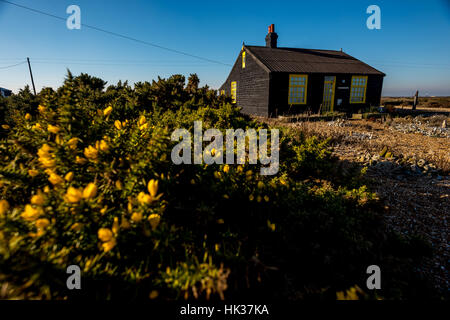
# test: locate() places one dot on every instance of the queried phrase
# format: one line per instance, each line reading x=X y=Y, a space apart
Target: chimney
x=271 y=38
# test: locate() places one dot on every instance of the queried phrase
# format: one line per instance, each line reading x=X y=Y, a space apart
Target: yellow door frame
x=334 y=91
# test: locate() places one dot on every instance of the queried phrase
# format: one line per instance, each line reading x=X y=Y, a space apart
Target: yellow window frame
x=360 y=85
x=243 y=59
x=233 y=91
x=295 y=85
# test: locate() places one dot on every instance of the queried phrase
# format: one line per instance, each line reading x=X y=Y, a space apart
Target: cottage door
x=328 y=93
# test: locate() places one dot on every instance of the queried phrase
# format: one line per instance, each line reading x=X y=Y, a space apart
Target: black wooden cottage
x=270 y=81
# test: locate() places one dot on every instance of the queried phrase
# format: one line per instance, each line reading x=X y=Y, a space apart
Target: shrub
x=88 y=180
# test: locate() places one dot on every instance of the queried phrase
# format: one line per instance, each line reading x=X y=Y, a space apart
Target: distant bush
x=86 y=179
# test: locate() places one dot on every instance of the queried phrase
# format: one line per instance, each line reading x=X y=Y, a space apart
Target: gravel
x=417 y=199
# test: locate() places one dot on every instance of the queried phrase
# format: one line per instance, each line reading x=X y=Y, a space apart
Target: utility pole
x=31 y=74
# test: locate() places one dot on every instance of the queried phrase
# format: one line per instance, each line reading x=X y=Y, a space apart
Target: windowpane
x=233 y=91
x=358 y=89
x=297 y=89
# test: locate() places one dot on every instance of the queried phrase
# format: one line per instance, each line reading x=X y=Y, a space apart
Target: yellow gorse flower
x=144 y=198
x=73 y=195
x=124 y=224
x=350 y=294
x=33 y=172
x=4 y=207
x=90 y=191
x=142 y=120
x=115 y=226
x=104 y=234
x=69 y=176
x=143 y=127
x=38 y=199
x=27 y=116
x=136 y=217
x=72 y=143
x=55 y=179
x=271 y=225
x=107 y=246
x=102 y=145
x=31 y=213
x=53 y=129
x=91 y=153
x=46 y=157
x=80 y=160
x=107 y=111
x=154 y=220
x=42 y=109
x=58 y=139
x=42 y=223
x=226 y=168
x=37 y=126
x=48 y=162
x=118 y=125
x=153 y=187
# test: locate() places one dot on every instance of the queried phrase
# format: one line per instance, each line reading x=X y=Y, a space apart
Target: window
x=358 y=90
x=298 y=84
x=233 y=91
x=243 y=60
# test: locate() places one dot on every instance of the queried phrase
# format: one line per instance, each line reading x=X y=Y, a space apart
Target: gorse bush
x=86 y=178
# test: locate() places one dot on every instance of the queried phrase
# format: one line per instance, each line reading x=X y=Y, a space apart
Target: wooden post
x=31 y=74
x=416 y=100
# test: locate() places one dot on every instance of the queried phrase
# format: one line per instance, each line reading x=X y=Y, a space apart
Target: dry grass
x=424 y=102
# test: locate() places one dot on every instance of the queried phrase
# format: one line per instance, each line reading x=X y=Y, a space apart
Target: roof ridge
x=295 y=48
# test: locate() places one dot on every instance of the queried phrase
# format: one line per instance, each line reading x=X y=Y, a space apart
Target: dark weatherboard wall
x=279 y=91
x=252 y=85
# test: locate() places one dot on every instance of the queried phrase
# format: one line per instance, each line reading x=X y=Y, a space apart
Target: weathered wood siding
x=252 y=86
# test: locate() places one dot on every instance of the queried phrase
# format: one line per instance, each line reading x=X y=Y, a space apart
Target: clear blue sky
x=412 y=47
